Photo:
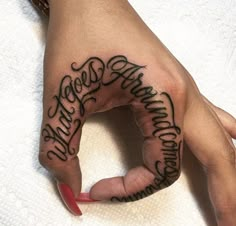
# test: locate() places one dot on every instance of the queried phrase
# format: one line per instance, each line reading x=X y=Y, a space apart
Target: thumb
x=66 y=110
x=69 y=174
x=69 y=185
x=59 y=156
x=59 y=144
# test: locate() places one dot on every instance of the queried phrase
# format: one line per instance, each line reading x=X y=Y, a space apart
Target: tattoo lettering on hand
x=161 y=107
x=82 y=87
x=69 y=107
x=162 y=180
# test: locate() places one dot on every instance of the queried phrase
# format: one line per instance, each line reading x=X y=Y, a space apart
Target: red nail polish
x=84 y=197
x=69 y=199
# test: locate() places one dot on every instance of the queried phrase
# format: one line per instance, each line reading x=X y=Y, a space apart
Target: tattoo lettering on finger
x=69 y=107
x=161 y=108
x=82 y=85
x=163 y=178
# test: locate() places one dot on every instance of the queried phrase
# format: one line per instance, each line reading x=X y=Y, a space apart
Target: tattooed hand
x=100 y=56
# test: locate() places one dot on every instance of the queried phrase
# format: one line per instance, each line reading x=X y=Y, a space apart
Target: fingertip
x=85 y=197
x=98 y=191
x=69 y=198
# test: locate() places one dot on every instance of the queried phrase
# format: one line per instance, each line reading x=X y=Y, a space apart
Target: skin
x=110 y=34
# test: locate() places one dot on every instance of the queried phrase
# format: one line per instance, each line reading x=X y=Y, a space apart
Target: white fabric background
x=202 y=34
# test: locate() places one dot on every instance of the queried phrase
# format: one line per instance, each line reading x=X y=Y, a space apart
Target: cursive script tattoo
x=75 y=92
x=162 y=179
x=70 y=106
x=161 y=109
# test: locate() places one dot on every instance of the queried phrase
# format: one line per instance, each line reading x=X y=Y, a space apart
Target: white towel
x=201 y=34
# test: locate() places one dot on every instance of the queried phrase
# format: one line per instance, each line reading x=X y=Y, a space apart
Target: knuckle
x=42 y=159
x=176 y=84
x=49 y=162
x=45 y=159
x=166 y=180
x=226 y=211
x=56 y=168
x=168 y=170
x=173 y=179
x=160 y=182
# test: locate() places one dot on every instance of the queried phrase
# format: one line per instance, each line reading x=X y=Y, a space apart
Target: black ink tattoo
x=162 y=180
x=163 y=120
x=70 y=107
x=72 y=93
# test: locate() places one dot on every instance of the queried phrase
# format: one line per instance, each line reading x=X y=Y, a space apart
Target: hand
x=101 y=55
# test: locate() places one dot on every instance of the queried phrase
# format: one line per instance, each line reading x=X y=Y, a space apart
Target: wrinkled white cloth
x=201 y=34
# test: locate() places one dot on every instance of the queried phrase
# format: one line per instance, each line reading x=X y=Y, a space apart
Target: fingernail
x=69 y=199
x=85 y=197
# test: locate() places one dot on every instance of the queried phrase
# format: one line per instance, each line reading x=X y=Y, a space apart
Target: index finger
x=159 y=115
